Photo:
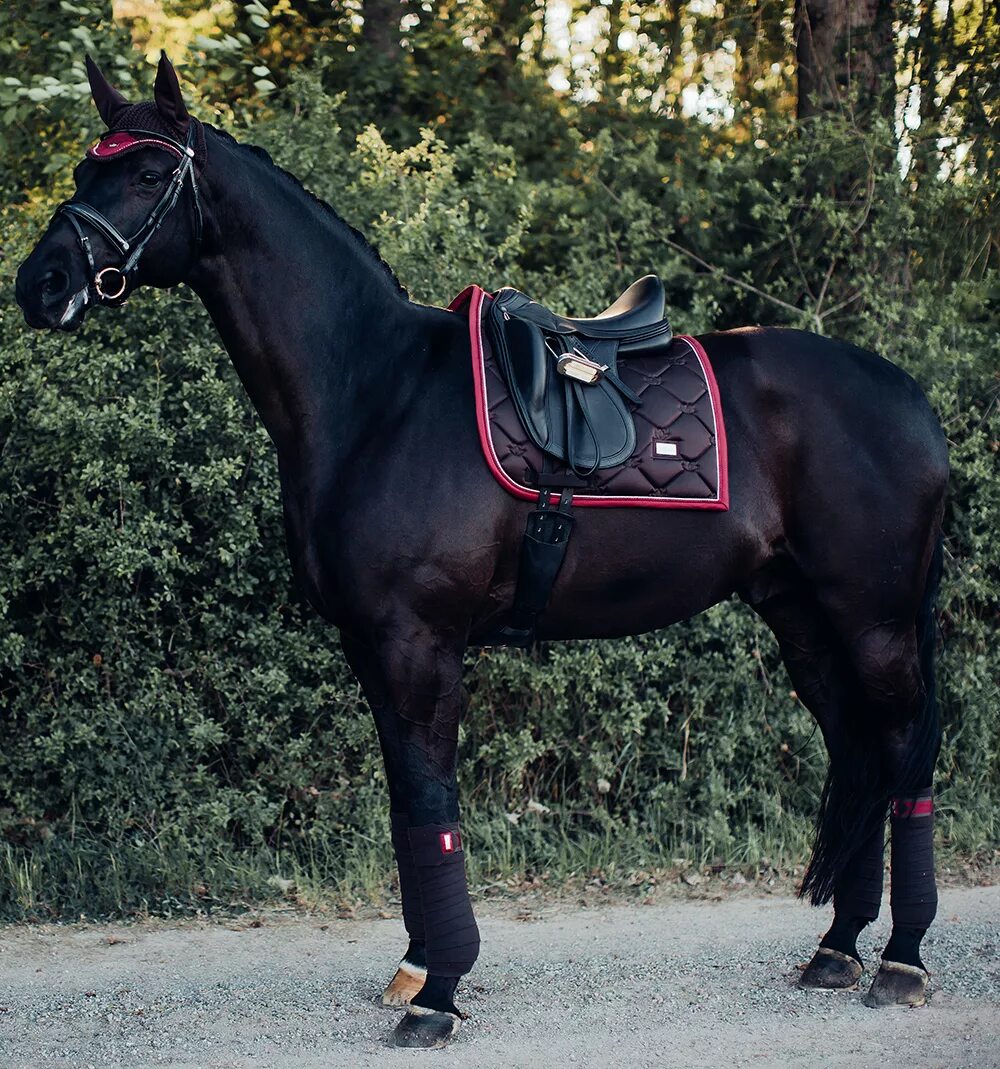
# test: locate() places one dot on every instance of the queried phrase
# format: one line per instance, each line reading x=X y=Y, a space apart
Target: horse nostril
x=54 y=284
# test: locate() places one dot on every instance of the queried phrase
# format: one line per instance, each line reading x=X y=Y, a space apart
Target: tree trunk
x=842 y=47
x=381 y=26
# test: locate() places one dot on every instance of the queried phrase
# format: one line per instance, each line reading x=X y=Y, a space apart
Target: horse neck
x=315 y=325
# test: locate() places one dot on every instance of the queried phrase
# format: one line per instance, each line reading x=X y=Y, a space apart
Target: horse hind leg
x=902 y=696
x=902 y=977
x=821 y=672
x=894 y=661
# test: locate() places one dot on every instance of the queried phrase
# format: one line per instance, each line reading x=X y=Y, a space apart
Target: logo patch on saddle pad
x=679 y=458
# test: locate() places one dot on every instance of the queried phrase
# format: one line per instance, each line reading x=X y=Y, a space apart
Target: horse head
x=135 y=218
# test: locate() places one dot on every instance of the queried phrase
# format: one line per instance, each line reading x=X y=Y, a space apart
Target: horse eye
x=149 y=179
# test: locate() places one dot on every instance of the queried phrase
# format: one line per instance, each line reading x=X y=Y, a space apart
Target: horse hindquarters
x=861 y=469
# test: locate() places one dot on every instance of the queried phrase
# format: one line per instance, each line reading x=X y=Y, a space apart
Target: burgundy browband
x=120 y=142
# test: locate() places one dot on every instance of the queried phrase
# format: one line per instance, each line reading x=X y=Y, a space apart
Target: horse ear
x=167 y=94
x=108 y=100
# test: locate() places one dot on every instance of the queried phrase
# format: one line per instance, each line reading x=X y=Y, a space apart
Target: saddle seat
x=641 y=305
x=562 y=373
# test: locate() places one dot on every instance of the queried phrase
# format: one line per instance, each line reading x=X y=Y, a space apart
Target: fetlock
x=843 y=937
x=438 y=994
x=904 y=947
x=416 y=954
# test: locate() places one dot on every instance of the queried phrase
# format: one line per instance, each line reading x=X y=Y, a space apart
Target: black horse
x=400 y=536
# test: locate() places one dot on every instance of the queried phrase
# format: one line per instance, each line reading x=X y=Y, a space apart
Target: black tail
x=919 y=770
x=856 y=794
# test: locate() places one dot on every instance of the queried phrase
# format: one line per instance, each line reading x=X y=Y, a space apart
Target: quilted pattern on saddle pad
x=680 y=455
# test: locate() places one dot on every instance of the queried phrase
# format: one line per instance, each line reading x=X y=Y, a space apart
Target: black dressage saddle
x=562 y=373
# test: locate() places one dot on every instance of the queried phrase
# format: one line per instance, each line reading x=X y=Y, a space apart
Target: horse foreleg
x=411 y=971
x=413 y=681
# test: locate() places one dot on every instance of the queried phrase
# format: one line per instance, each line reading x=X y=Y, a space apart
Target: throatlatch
x=449 y=923
x=543 y=550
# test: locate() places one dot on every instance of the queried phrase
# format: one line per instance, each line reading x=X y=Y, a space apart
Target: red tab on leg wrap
x=436 y=844
x=450 y=841
x=912 y=807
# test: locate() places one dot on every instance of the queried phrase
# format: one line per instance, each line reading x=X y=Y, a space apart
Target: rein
x=109 y=284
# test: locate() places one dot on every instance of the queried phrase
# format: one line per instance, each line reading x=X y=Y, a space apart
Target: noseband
x=109 y=284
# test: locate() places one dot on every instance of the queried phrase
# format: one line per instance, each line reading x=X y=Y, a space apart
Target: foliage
x=176 y=726
x=44 y=96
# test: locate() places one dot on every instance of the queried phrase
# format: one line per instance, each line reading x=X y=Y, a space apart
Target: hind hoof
x=897 y=984
x=407 y=982
x=831 y=970
x=428 y=1029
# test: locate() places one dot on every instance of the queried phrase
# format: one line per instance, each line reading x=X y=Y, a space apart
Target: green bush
x=177 y=727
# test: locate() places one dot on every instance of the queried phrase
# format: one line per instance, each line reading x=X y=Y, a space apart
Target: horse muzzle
x=51 y=289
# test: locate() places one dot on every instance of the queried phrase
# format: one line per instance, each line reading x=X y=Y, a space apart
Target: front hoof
x=428 y=1029
x=407 y=982
x=897 y=984
x=831 y=970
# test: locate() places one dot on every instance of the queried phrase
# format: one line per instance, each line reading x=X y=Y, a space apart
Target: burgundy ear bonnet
x=160 y=123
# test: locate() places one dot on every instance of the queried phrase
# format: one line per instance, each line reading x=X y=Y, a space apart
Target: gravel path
x=698 y=985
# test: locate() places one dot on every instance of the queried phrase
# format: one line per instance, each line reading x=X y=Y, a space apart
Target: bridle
x=110 y=283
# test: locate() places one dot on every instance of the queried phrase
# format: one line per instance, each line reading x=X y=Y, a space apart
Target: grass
x=90 y=879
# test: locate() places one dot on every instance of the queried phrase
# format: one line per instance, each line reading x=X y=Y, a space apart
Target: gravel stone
x=692 y=984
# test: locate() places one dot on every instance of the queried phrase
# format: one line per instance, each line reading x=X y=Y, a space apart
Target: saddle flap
x=524 y=360
x=586 y=425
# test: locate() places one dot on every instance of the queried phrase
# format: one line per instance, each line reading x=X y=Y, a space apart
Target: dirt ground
x=699 y=985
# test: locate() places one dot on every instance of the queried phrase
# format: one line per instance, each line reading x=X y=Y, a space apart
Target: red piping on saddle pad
x=473 y=297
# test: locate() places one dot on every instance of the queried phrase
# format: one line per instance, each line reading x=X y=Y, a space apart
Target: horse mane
x=360 y=241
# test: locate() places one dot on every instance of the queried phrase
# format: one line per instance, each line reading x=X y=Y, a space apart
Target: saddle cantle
x=562 y=373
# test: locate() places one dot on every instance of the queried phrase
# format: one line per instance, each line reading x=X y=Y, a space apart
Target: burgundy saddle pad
x=679 y=460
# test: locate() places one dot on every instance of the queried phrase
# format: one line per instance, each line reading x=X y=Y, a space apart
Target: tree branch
x=735 y=281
